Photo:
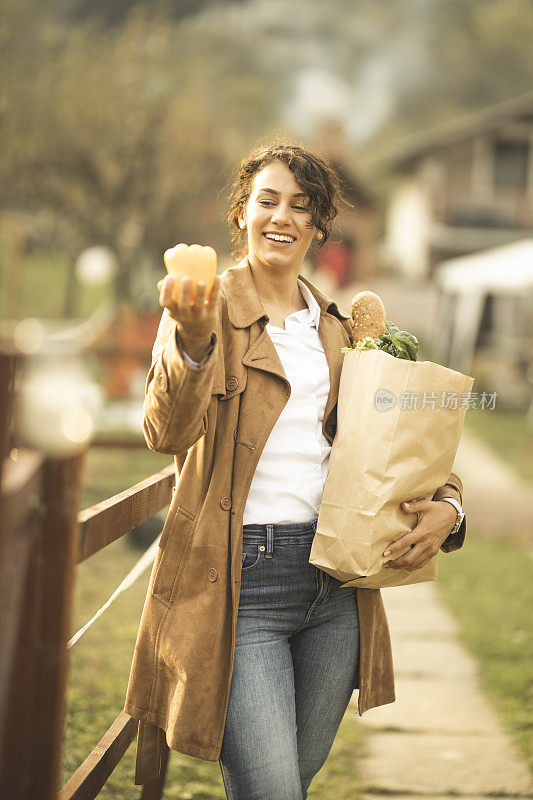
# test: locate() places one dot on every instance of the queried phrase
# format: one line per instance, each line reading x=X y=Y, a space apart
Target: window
x=511 y=165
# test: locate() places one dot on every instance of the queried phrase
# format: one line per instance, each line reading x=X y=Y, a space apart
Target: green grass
x=109 y=471
x=488 y=587
x=36 y=286
x=99 y=670
x=100 y=661
x=508 y=434
x=339 y=777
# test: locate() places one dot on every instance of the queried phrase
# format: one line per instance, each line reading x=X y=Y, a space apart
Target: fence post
x=154 y=789
x=56 y=560
x=8 y=366
x=38 y=550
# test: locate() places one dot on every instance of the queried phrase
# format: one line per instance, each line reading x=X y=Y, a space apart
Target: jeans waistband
x=283 y=532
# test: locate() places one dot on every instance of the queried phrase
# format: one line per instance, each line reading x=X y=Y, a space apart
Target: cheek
x=307 y=236
x=256 y=223
x=307 y=232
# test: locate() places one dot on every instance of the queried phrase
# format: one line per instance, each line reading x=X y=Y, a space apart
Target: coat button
x=163 y=383
x=231 y=384
x=212 y=574
x=226 y=503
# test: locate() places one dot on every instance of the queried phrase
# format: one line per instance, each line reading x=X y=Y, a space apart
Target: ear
x=242 y=219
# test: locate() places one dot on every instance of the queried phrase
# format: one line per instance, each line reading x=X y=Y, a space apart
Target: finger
x=400 y=544
x=423 y=562
x=162 y=282
x=408 y=567
x=416 y=506
x=408 y=559
x=213 y=294
x=413 y=560
x=407 y=540
x=185 y=294
x=200 y=296
x=411 y=566
x=165 y=292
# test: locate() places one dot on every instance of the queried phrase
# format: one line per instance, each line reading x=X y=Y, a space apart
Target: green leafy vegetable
x=397 y=343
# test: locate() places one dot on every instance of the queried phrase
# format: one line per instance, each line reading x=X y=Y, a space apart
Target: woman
x=246 y=653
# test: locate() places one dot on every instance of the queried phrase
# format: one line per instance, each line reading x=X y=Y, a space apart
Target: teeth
x=279 y=238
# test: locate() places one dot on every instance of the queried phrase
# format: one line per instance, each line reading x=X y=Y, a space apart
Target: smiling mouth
x=280 y=237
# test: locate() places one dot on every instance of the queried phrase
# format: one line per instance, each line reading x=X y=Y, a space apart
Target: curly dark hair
x=314 y=176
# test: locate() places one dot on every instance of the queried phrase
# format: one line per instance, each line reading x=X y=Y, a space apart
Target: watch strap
x=460 y=512
x=188 y=359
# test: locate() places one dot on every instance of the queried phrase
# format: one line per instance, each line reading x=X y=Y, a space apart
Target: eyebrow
x=273 y=191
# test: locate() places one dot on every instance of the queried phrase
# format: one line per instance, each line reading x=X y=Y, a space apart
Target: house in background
x=461 y=187
x=351 y=253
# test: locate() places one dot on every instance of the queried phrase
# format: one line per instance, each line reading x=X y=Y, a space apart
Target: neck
x=277 y=287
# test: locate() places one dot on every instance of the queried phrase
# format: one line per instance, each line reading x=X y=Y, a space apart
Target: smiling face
x=277 y=219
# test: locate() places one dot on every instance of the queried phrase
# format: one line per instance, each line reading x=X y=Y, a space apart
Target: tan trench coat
x=215 y=421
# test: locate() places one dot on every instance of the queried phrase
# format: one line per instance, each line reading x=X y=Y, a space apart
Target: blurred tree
x=114 y=12
x=481 y=53
x=441 y=59
x=123 y=134
x=127 y=134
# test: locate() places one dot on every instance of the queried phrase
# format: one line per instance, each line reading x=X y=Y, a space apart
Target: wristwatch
x=460 y=513
x=188 y=359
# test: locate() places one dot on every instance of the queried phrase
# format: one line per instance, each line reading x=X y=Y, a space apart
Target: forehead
x=277 y=176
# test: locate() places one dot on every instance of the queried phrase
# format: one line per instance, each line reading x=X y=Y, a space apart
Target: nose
x=280 y=214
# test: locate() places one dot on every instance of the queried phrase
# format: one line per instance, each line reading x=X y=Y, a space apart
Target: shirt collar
x=314 y=308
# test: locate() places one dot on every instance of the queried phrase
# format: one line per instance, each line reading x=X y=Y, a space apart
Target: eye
x=301 y=208
x=266 y=202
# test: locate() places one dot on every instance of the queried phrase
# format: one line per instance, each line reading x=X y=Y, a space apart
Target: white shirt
x=289 y=479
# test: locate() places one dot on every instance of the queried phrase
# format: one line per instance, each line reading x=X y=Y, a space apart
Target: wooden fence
x=43 y=536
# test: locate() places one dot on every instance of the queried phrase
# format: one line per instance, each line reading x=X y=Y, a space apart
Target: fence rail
x=107 y=521
x=91 y=776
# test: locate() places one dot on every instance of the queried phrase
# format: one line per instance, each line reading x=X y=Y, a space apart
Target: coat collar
x=244 y=304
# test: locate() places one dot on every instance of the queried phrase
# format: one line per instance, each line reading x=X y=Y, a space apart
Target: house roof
x=466 y=127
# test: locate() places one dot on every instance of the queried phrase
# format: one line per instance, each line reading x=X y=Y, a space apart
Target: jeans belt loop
x=270 y=541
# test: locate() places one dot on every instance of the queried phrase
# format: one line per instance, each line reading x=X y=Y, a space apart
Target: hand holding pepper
x=195 y=321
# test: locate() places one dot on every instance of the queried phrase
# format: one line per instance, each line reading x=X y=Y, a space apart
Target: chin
x=277 y=259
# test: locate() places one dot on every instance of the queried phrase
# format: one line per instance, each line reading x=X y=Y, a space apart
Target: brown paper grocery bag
x=399 y=424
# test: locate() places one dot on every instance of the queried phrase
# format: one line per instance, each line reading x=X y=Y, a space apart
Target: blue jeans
x=295 y=666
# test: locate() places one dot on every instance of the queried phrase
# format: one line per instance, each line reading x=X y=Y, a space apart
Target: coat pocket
x=174 y=547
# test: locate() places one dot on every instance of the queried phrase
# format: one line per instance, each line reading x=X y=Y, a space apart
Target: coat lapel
x=263 y=355
x=334 y=332
x=245 y=310
x=333 y=337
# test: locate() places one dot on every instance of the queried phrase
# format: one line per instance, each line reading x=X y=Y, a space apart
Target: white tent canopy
x=505 y=273
x=500 y=270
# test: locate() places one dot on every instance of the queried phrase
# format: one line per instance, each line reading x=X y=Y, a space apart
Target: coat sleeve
x=452 y=488
x=177 y=394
